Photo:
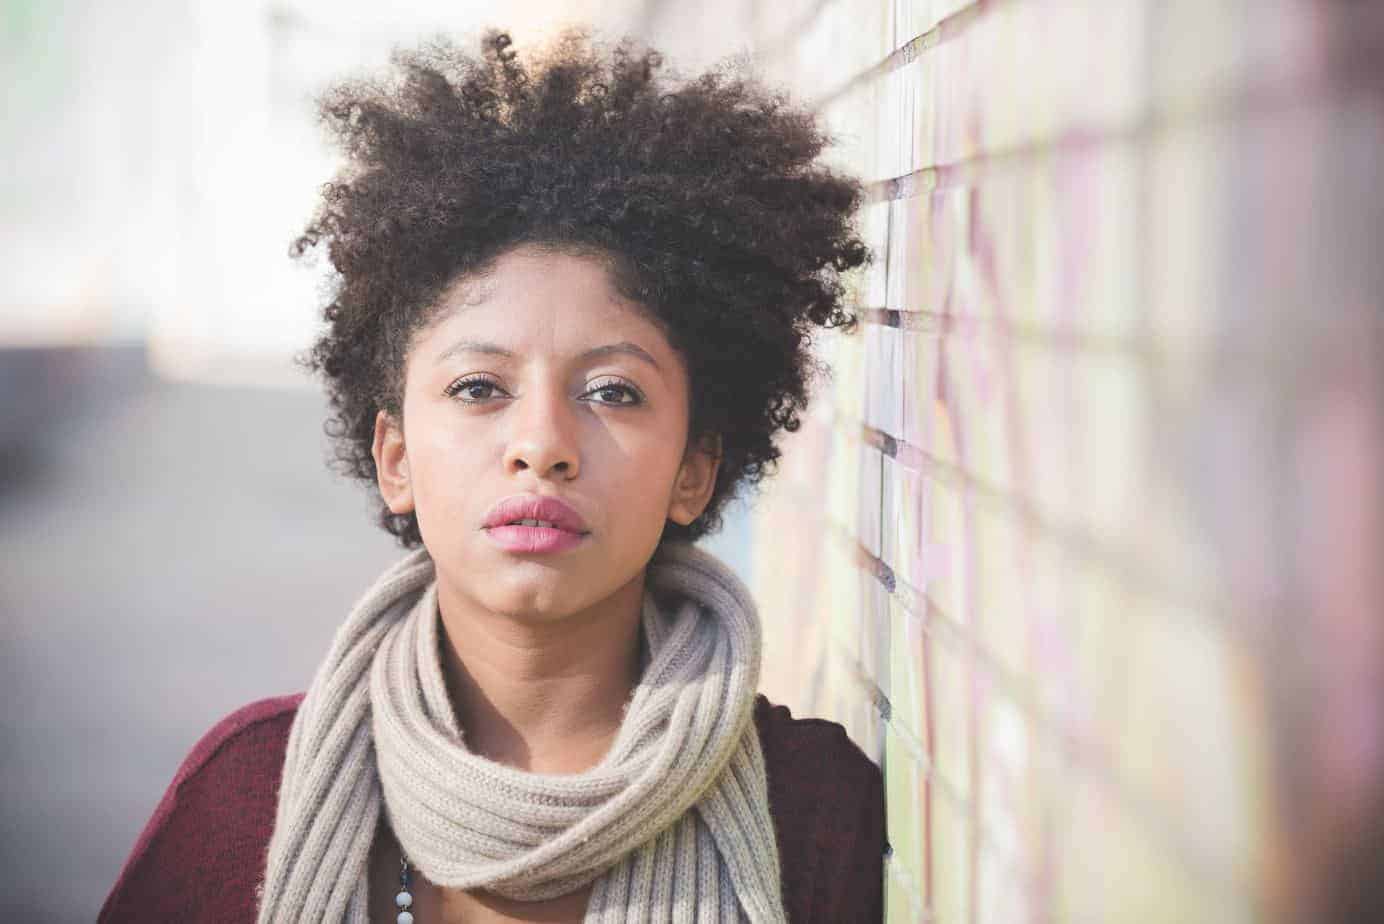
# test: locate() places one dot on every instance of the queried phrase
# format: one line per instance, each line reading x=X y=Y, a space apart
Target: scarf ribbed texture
x=672 y=825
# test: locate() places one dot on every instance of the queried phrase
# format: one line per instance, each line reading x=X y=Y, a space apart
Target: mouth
x=534 y=522
x=533 y=537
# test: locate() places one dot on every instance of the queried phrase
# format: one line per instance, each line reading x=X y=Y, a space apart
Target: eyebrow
x=494 y=349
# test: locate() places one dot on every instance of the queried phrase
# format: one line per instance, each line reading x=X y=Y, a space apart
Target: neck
x=545 y=697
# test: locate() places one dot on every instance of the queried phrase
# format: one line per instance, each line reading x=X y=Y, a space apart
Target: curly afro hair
x=701 y=195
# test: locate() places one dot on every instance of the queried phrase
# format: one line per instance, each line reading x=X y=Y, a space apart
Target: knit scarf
x=672 y=825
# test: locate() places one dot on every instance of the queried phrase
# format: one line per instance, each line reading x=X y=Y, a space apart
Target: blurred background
x=1080 y=542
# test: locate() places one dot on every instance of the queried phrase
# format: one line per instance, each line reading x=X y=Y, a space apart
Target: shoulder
x=201 y=852
x=811 y=751
x=258 y=729
x=827 y=800
x=238 y=762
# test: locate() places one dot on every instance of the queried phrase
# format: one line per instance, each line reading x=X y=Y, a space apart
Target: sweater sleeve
x=201 y=854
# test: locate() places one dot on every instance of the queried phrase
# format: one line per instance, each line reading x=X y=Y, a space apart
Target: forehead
x=539 y=300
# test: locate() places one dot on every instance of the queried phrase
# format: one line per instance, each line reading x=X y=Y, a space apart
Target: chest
x=435 y=905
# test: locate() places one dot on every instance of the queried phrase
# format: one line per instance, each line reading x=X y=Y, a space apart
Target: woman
x=573 y=312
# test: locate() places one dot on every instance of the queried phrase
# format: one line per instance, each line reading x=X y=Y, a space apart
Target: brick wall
x=1040 y=545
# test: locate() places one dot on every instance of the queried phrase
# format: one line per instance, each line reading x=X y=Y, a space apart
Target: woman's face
x=540 y=379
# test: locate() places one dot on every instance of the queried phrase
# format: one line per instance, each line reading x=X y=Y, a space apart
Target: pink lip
x=533 y=538
x=567 y=531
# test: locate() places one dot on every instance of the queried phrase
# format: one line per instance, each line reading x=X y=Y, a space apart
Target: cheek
x=643 y=483
x=442 y=460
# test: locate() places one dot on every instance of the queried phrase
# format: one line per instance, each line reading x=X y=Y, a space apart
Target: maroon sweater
x=202 y=854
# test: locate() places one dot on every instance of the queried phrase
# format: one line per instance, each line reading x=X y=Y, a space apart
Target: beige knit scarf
x=672 y=825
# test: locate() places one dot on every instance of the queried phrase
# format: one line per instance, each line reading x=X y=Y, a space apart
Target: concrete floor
x=153 y=536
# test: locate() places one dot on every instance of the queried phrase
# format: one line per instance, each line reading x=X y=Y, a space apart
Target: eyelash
x=462 y=384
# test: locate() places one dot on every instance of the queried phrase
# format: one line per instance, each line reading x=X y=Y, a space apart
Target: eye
x=469 y=386
x=609 y=388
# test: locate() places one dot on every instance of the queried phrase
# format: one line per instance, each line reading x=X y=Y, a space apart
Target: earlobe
x=391 y=464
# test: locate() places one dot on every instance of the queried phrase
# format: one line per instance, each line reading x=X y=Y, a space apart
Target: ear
x=696 y=480
x=391 y=464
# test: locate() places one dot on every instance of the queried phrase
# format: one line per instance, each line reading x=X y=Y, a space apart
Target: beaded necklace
x=404 y=900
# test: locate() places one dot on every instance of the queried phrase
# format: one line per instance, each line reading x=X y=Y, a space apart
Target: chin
x=539 y=598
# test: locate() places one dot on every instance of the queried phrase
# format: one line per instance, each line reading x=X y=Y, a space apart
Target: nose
x=544 y=437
